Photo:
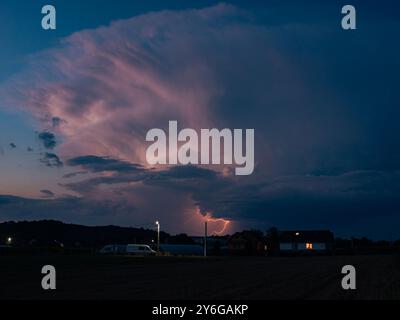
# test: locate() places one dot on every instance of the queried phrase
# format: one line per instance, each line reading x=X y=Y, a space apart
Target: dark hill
x=55 y=233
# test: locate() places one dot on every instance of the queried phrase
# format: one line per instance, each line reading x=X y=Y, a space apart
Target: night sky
x=76 y=103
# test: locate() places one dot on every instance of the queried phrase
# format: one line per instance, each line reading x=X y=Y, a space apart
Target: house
x=248 y=242
x=310 y=241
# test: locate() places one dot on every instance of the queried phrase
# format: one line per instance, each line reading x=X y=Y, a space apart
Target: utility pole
x=205 y=238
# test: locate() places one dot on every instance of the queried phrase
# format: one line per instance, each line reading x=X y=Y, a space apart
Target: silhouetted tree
x=181 y=238
x=54 y=233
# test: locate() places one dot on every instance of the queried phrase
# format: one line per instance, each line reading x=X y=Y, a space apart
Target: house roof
x=306 y=236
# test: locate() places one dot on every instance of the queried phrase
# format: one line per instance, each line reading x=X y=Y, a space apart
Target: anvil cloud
x=325 y=147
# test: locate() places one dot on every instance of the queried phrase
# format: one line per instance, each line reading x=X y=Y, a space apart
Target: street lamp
x=158 y=236
x=9 y=240
x=296 y=244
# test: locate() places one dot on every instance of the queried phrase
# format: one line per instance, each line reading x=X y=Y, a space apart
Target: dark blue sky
x=324 y=104
x=20 y=20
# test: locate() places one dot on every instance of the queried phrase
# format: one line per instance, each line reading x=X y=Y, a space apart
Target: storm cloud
x=323 y=104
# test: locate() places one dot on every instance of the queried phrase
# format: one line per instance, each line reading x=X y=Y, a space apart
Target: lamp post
x=296 y=243
x=9 y=240
x=205 y=238
x=158 y=235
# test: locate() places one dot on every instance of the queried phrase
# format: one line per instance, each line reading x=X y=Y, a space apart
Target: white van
x=140 y=249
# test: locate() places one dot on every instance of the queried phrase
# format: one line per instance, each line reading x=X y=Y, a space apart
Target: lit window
x=309 y=246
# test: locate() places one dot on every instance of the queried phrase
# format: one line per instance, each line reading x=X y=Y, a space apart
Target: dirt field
x=112 y=277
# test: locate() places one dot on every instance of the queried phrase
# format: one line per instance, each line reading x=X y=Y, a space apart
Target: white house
x=306 y=241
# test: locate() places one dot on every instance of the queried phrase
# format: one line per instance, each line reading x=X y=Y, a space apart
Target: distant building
x=306 y=241
x=182 y=249
x=216 y=245
x=211 y=240
x=247 y=242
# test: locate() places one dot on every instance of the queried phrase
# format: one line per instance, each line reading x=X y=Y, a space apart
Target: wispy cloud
x=48 y=139
x=51 y=160
x=47 y=193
